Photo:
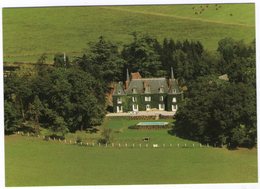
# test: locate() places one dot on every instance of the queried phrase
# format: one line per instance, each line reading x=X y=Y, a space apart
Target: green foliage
x=11 y=118
x=223 y=112
x=61 y=99
x=70 y=98
x=106 y=136
x=18 y=91
x=34 y=112
x=75 y=96
x=103 y=60
x=141 y=56
x=214 y=112
x=61 y=60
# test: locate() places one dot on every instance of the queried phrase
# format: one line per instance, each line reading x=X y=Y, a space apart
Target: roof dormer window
x=161 y=89
x=119 y=91
x=134 y=90
x=147 y=89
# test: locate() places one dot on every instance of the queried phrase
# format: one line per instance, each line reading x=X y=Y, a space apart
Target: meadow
x=30 y=32
x=31 y=161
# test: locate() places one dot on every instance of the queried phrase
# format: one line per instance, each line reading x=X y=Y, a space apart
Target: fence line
x=118 y=144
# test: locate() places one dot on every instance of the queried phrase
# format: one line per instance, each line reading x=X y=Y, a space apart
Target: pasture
x=29 y=32
x=31 y=161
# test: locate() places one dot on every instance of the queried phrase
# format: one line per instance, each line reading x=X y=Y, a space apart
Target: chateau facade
x=146 y=94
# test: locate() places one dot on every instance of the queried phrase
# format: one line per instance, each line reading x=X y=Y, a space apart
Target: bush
x=106 y=136
x=78 y=140
x=54 y=136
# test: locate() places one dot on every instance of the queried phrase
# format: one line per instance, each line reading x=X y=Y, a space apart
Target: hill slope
x=29 y=32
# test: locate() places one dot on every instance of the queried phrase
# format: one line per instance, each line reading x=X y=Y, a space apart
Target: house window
x=174 y=107
x=161 y=98
x=135 y=107
x=174 y=91
x=134 y=90
x=119 y=91
x=148 y=107
x=147 y=98
x=119 y=109
x=174 y=99
x=119 y=100
x=134 y=99
x=161 y=106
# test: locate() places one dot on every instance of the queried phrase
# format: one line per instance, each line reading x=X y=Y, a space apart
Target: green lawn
x=29 y=32
x=34 y=162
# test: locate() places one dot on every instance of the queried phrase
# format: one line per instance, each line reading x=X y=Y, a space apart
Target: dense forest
x=70 y=95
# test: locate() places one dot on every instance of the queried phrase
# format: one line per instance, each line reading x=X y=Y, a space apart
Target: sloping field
x=34 y=162
x=29 y=32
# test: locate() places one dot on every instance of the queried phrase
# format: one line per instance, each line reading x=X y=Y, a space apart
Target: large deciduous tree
x=103 y=60
x=141 y=55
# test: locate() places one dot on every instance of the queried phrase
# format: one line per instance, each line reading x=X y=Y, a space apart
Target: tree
x=34 y=113
x=103 y=61
x=12 y=118
x=87 y=107
x=61 y=60
x=218 y=112
x=70 y=98
x=106 y=136
x=18 y=91
x=59 y=126
x=141 y=56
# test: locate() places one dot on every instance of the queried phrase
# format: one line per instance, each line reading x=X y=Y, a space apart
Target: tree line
x=70 y=95
x=223 y=112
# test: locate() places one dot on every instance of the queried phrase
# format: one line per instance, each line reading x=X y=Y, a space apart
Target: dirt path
x=179 y=17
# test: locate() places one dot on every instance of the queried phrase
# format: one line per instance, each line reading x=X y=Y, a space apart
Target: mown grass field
x=32 y=161
x=29 y=32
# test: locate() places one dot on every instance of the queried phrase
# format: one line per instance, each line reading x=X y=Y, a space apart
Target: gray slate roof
x=140 y=85
x=153 y=83
x=119 y=89
x=173 y=86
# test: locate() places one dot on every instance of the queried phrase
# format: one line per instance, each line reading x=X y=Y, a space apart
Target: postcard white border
x=47 y=3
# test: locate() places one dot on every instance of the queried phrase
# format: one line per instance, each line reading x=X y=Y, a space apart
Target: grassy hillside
x=29 y=32
x=34 y=162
